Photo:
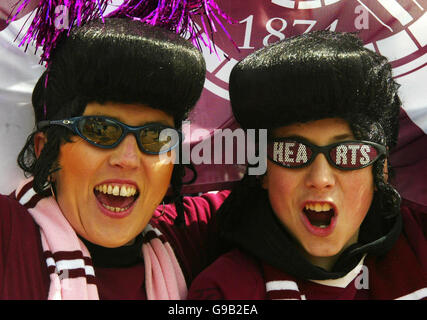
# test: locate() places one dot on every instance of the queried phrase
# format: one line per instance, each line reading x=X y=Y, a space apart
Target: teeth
x=318 y=207
x=123 y=191
x=115 y=209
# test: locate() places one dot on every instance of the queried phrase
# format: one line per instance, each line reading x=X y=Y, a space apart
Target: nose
x=320 y=174
x=126 y=154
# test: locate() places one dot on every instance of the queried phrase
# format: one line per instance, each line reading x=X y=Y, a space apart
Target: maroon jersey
x=23 y=269
x=399 y=274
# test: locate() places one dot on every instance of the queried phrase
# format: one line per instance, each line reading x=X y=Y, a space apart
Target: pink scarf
x=72 y=275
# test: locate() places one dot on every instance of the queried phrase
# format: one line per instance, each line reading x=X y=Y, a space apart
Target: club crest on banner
x=395 y=29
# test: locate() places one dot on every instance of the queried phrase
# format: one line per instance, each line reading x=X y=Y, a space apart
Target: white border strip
x=27 y=196
x=410 y=66
x=397 y=11
x=70 y=264
x=416 y=295
x=281 y=285
x=285 y=3
x=375 y=16
x=212 y=87
x=149 y=228
x=346 y=280
x=309 y=4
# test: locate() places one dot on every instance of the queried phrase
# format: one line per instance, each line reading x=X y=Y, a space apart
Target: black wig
x=310 y=77
x=117 y=61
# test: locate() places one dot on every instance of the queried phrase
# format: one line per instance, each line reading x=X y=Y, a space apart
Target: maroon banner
x=395 y=29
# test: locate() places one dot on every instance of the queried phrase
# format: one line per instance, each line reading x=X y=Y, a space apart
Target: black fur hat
x=124 y=61
x=313 y=76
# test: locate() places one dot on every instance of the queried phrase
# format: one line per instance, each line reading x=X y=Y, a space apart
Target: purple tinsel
x=53 y=17
x=178 y=16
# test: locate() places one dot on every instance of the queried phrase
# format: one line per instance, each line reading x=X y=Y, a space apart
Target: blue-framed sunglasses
x=107 y=133
x=344 y=155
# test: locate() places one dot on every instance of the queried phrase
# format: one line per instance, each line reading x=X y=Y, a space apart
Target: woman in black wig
x=108 y=111
x=323 y=222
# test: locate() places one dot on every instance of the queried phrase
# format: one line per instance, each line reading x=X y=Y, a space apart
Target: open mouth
x=319 y=214
x=116 y=197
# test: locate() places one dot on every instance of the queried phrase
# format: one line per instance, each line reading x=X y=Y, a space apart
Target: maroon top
x=23 y=270
x=402 y=272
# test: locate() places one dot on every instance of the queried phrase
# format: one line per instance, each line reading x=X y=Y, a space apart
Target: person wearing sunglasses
x=324 y=221
x=91 y=221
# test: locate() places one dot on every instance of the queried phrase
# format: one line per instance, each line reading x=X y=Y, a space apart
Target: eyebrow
x=343 y=136
x=162 y=122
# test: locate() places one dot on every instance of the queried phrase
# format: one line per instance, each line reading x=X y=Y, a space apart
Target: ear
x=385 y=171
x=39 y=142
x=264 y=181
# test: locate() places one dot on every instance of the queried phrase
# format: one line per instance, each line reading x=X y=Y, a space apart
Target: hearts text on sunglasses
x=343 y=154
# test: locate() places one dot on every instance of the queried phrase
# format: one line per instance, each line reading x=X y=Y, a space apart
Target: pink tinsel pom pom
x=54 y=17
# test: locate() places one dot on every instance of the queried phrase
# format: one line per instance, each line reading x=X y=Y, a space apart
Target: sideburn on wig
x=120 y=61
x=314 y=76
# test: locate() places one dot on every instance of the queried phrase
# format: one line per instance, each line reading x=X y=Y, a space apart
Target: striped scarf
x=69 y=263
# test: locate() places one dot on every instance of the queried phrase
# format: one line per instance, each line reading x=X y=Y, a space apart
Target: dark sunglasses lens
x=158 y=139
x=289 y=153
x=353 y=155
x=100 y=131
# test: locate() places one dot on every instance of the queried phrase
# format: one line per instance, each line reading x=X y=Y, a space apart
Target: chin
x=110 y=241
x=323 y=251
